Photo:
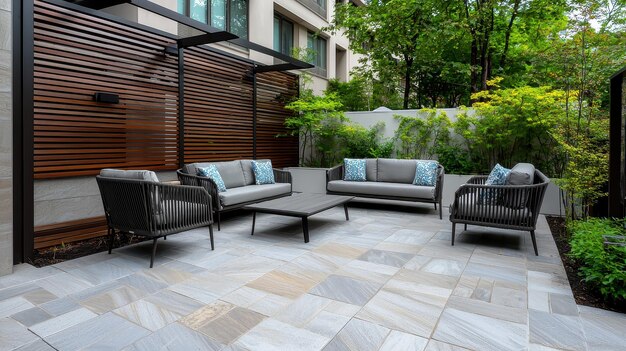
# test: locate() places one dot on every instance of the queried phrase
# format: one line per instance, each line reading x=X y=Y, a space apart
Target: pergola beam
x=280 y=67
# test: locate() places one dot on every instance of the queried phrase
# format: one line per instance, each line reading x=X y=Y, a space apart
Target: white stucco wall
x=6 y=140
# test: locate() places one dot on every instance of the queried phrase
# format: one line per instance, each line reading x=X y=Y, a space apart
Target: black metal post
x=18 y=196
x=254 y=112
x=181 y=108
x=616 y=193
x=23 y=226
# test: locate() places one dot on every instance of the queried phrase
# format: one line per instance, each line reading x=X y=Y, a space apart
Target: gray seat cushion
x=231 y=172
x=249 y=193
x=396 y=171
x=129 y=174
x=383 y=189
x=468 y=209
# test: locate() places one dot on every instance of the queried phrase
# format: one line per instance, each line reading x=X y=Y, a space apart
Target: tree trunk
x=507 y=36
x=407 y=82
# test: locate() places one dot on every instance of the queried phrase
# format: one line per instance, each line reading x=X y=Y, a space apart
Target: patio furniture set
x=136 y=202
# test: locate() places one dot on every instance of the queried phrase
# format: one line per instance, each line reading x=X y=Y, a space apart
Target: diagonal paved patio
x=386 y=280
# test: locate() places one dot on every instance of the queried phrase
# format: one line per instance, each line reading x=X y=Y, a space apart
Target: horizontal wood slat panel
x=68 y=232
x=274 y=90
x=218 y=107
x=77 y=55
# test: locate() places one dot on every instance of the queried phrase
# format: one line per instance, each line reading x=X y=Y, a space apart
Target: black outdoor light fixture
x=110 y=98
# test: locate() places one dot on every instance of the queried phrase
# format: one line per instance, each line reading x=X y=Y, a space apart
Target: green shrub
x=602 y=266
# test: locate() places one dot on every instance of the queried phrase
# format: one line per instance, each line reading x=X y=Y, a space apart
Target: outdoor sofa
x=389 y=179
x=513 y=205
x=136 y=202
x=239 y=180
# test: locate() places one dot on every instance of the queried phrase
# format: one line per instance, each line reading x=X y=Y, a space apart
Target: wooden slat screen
x=274 y=90
x=218 y=107
x=77 y=55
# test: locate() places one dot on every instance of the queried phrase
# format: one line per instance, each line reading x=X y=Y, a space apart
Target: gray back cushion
x=521 y=174
x=129 y=174
x=248 y=173
x=190 y=168
x=396 y=171
x=371 y=169
x=231 y=173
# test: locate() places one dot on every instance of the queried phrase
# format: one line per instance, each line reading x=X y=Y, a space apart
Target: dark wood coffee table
x=300 y=205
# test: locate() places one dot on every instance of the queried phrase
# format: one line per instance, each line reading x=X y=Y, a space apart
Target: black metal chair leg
x=453 y=229
x=345 y=209
x=465 y=226
x=211 y=236
x=165 y=238
x=440 y=211
x=154 y=245
x=218 y=221
x=435 y=205
x=111 y=233
x=253 y=222
x=532 y=235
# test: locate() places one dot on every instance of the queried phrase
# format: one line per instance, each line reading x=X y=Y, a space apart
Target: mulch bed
x=70 y=251
x=583 y=294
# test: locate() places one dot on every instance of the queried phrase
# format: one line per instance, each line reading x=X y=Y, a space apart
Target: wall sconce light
x=106 y=97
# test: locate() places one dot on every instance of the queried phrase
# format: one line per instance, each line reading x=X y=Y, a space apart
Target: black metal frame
x=23 y=110
x=336 y=173
x=280 y=176
x=616 y=137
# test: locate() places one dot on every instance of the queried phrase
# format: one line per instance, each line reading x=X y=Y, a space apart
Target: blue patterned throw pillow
x=263 y=172
x=426 y=173
x=354 y=170
x=497 y=176
x=214 y=174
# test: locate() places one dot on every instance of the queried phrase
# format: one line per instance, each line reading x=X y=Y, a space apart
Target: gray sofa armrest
x=179 y=207
x=204 y=182
x=335 y=173
x=281 y=176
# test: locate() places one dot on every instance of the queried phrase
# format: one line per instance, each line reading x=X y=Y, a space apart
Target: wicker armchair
x=280 y=176
x=514 y=206
x=153 y=209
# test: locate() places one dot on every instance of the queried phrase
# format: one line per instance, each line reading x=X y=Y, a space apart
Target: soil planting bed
x=583 y=294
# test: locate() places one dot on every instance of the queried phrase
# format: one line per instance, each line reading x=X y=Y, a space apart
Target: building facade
x=293 y=27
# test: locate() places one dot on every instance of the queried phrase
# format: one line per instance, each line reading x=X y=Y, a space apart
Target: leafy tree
x=391 y=34
x=513 y=125
x=311 y=114
x=353 y=94
x=419 y=138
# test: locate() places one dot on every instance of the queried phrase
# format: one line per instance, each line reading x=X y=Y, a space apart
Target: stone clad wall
x=6 y=141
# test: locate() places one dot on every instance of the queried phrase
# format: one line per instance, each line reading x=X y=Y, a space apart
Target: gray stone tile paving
x=385 y=280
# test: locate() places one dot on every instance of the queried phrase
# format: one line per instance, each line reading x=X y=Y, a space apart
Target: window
x=228 y=15
x=317 y=6
x=317 y=45
x=283 y=35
